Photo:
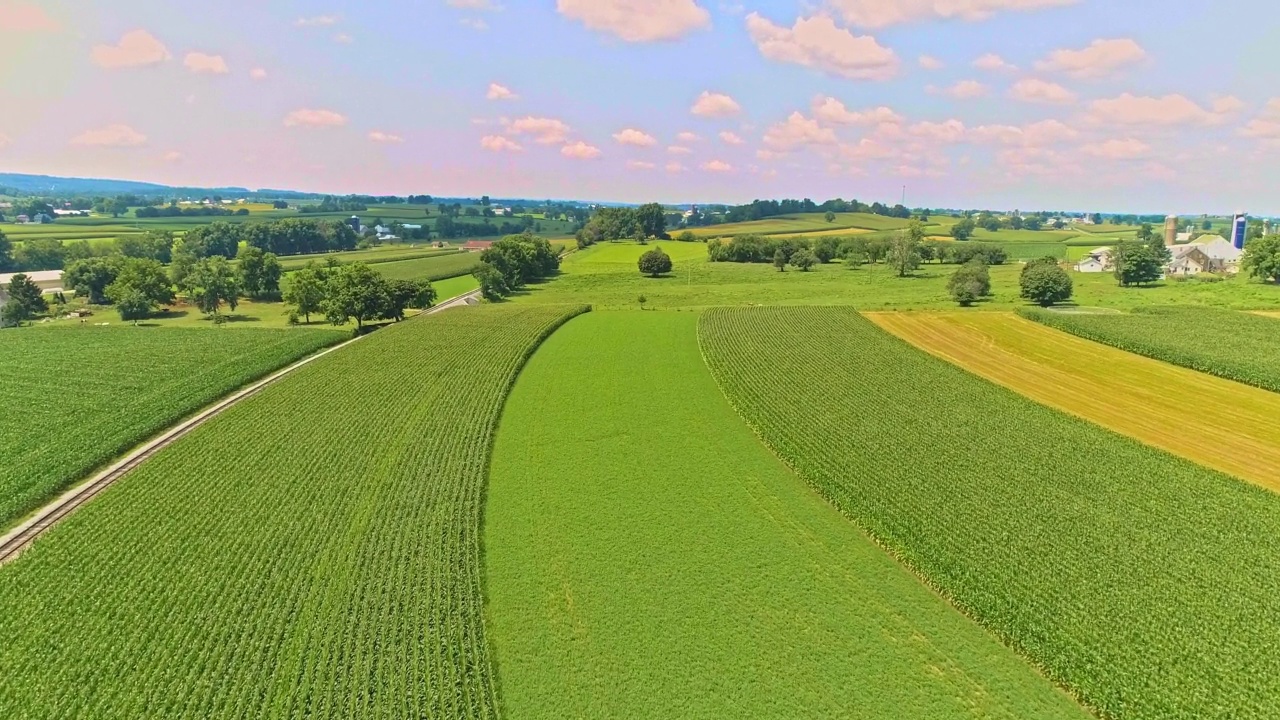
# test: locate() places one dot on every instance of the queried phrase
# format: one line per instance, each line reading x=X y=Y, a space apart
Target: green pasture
x=1024 y=236
x=662 y=563
x=430 y=268
x=802 y=222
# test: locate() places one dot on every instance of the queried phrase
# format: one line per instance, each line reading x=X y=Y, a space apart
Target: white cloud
x=731 y=138
x=1122 y=149
x=675 y=167
x=486 y=5
x=317 y=21
x=135 y=49
x=679 y=150
x=717 y=166
x=1040 y=91
x=24 y=18
x=963 y=90
x=1228 y=105
x=343 y=39
x=580 y=151
x=1168 y=110
x=832 y=111
x=688 y=137
x=201 y=63
x=497 y=143
x=638 y=20
x=635 y=138
x=172 y=156
x=817 y=43
x=883 y=13
x=994 y=63
x=929 y=62
x=640 y=165
x=797 y=131
x=545 y=131
x=715 y=105
x=951 y=131
x=1261 y=129
x=307 y=117
x=382 y=137
x=110 y=136
x=500 y=92
x=258 y=74
x=1045 y=132
x=1099 y=59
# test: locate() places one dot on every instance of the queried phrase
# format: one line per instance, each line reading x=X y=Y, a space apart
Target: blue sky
x=1086 y=104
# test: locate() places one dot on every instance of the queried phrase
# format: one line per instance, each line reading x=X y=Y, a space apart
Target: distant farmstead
x=48 y=281
x=478 y=245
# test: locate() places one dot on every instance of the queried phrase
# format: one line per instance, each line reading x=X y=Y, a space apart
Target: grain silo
x=1170 y=230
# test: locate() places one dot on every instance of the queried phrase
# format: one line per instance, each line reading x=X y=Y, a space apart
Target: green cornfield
x=1144 y=584
x=1233 y=345
x=77 y=397
x=440 y=267
x=314 y=552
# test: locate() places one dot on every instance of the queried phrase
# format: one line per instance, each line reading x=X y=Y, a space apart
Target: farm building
x=1209 y=253
x=477 y=245
x=1097 y=261
x=48 y=281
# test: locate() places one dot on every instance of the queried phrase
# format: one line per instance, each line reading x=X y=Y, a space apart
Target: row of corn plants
x=1233 y=345
x=1147 y=586
x=314 y=552
x=77 y=397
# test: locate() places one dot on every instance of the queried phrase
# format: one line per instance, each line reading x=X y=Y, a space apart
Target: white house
x=1097 y=261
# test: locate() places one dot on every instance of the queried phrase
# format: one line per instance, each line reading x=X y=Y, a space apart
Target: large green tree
x=963 y=230
x=970 y=283
x=307 y=289
x=139 y=288
x=1137 y=263
x=655 y=263
x=259 y=272
x=6 y=253
x=1262 y=258
x=25 y=301
x=90 y=278
x=904 y=249
x=355 y=292
x=493 y=284
x=1045 y=283
x=652 y=220
x=212 y=282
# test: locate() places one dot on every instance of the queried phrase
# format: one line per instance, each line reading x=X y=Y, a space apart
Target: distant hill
x=35 y=184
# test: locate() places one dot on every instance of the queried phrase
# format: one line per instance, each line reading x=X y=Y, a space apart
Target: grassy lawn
x=662 y=563
x=606 y=276
x=1217 y=423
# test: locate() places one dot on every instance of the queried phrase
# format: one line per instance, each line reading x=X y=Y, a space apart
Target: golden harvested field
x=839 y=232
x=1217 y=423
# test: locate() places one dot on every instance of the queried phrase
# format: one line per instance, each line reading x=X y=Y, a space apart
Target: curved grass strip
x=1145 y=584
x=1234 y=345
x=78 y=397
x=313 y=552
x=647 y=557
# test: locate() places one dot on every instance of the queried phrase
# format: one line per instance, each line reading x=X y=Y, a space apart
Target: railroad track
x=20 y=538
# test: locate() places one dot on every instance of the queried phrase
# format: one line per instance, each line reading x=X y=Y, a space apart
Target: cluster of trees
x=189 y=211
x=855 y=250
x=354 y=292
x=25 y=302
x=622 y=223
x=1044 y=282
x=513 y=262
x=760 y=209
x=1262 y=258
x=1140 y=262
x=970 y=283
x=329 y=204
x=449 y=228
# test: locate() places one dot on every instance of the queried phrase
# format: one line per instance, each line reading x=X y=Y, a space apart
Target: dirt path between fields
x=20 y=538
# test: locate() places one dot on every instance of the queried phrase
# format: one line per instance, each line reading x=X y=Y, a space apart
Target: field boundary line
x=20 y=538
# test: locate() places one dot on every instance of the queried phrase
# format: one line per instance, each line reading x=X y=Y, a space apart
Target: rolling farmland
x=82 y=395
x=328 y=567
x=1233 y=345
x=802 y=223
x=1214 y=422
x=661 y=563
x=1138 y=580
x=430 y=268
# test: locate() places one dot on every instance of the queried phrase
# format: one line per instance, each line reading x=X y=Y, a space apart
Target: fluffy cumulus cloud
x=545 y=131
x=994 y=63
x=688 y=137
x=1169 y=110
x=580 y=151
x=715 y=105
x=678 y=150
x=635 y=138
x=1118 y=149
x=308 y=117
x=883 y=13
x=136 y=49
x=945 y=133
x=383 y=137
x=110 y=136
x=965 y=90
x=500 y=92
x=638 y=20
x=929 y=62
x=833 y=112
x=717 y=166
x=797 y=131
x=818 y=43
x=202 y=64
x=640 y=165
x=25 y=18
x=731 y=138
x=675 y=167
x=1101 y=58
x=498 y=143
x=1266 y=126
x=258 y=74
x=1032 y=90
x=1039 y=134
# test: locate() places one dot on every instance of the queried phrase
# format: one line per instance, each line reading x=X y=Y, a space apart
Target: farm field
x=801 y=223
x=372 y=256
x=845 y=232
x=643 y=569
x=430 y=268
x=1210 y=421
x=453 y=287
x=605 y=275
x=125 y=385
x=1233 y=345
x=328 y=568
x=1106 y=562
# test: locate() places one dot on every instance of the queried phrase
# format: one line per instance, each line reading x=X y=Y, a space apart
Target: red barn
x=478 y=245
